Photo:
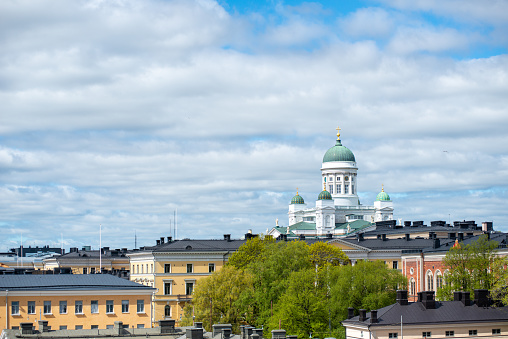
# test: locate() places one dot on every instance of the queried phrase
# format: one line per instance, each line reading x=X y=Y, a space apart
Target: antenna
x=100 y=248
x=61 y=243
x=135 y=240
x=176 y=224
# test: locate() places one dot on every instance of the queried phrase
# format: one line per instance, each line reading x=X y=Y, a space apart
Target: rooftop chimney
x=170 y=239
x=227 y=237
x=461 y=236
x=481 y=298
x=427 y=299
x=436 y=243
x=373 y=316
x=302 y=237
x=158 y=242
x=359 y=236
x=350 y=312
x=402 y=297
x=328 y=236
x=464 y=297
x=487 y=226
x=383 y=237
x=407 y=236
x=162 y=240
x=363 y=315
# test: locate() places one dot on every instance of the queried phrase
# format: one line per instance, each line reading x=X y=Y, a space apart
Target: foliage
x=305 y=288
x=470 y=267
x=322 y=253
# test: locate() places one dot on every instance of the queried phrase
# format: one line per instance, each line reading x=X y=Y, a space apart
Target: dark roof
x=446 y=244
x=392 y=244
x=444 y=312
x=37 y=282
x=421 y=229
x=199 y=245
x=82 y=254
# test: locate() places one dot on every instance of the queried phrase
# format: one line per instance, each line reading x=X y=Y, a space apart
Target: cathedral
x=337 y=209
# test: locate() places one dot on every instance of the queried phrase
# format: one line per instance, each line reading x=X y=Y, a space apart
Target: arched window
x=439 y=280
x=167 y=311
x=445 y=277
x=430 y=281
x=327 y=222
x=412 y=287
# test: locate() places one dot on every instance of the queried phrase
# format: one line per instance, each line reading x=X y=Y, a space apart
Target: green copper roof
x=297 y=199
x=383 y=196
x=325 y=195
x=339 y=153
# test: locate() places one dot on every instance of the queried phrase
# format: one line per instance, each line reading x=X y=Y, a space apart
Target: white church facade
x=337 y=209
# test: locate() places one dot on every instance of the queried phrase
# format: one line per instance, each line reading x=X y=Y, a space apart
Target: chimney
x=373 y=316
x=226 y=333
x=328 y=236
x=43 y=326
x=436 y=243
x=227 y=237
x=27 y=328
x=407 y=223
x=162 y=240
x=461 y=236
x=407 y=236
x=199 y=324
x=194 y=333
x=170 y=239
x=158 y=242
x=278 y=334
x=378 y=236
x=383 y=237
x=402 y=297
x=363 y=315
x=427 y=299
x=431 y=235
x=451 y=235
x=350 y=312
x=302 y=237
x=359 y=236
x=464 y=297
x=481 y=298
x=487 y=226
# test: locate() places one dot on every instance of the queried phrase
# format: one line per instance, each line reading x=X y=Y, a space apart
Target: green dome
x=339 y=153
x=325 y=195
x=383 y=196
x=297 y=199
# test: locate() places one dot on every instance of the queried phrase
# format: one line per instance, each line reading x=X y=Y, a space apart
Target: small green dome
x=297 y=199
x=325 y=195
x=383 y=196
x=339 y=153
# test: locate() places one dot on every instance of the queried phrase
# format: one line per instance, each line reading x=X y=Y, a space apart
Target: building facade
x=69 y=301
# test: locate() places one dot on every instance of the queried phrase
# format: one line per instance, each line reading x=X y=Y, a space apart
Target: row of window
x=190 y=268
x=168 y=288
x=144 y=268
x=80 y=327
x=78 y=307
x=427 y=334
x=346 y=178
x=339 y=189
x=94 y=270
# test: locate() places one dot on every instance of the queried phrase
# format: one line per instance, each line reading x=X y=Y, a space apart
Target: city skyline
x=118 y=113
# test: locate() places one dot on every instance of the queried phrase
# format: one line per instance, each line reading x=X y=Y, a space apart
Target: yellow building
x=69 y=301
x=174 y=267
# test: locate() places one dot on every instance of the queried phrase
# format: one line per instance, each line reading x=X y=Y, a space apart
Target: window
x=393 y=335
x=137 y=268
x=426 y=334
x=167 y=311
x=338 y=178
x=78 y=327
x=85 y=270
x=109 y=306
x=449 y=333
x=167 y=268
x=125 y=306
x=330 y=188
x=94 y=327
x=63 y=327
x=395 y=265
x=496 y=331
x=78 y=307
x=352 y=189
x=140 y=326
x=142 y=269
x=188 y=288
x=92 y=270
x=63 y=306
x=211 y=268
x=140 y=306
x=151 y=268
x=189 y=268
x=412 y=286
x=47 y=306
x=473 y=332
x=430 y=281
x=346 y=188
x=439 y=280
x=339 y=189
x=94 y=306
x=167 y=288
x=110 y=327
x=15 y=307
x=31 y=307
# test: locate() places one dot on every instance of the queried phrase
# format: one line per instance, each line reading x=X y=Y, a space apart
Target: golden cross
x=297 y=191
x=338 y=132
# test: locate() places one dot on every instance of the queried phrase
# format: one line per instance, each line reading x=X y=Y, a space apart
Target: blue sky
x=117 y=113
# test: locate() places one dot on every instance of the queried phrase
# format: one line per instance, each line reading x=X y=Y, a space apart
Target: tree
x=249 y=252
x=470 y=267
x=322 y=253
x=216 y=297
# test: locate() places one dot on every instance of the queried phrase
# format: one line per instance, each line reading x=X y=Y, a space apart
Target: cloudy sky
x=119 y=112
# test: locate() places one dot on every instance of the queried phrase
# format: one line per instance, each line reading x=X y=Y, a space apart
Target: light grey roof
x=36 y=282
x=200 y=245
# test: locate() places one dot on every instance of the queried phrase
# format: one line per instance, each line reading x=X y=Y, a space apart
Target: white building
x=337 y=209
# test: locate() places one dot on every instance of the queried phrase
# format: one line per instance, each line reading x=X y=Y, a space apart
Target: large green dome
x=297 y=199
x=339 y=153
x=325 y=195
x=383 y=196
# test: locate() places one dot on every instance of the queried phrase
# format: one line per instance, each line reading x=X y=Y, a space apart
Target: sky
x=118 y=115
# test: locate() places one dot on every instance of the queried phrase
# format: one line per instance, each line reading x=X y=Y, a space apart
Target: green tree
x=472 y=266
x=322 y=254
x=249 y=252
x=216 y=297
